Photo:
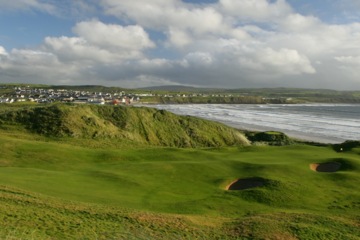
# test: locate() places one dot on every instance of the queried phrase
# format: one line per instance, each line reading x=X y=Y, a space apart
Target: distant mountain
x=180 y=88
x=90 y=88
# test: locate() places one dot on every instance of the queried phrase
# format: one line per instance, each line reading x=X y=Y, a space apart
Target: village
x=40 y=95
x=49 y=95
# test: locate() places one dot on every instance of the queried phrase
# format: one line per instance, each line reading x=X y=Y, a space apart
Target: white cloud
x=79 y=9
x=178 y=38
x=299 y=23
x=99 y=42
x=65 y=9
x=25 y=5
x=255 y=10
x=77 y=49
x=199 y=58
x=35 y=66
x=77 y=58
x=284 y=61
x=3 y=52
x=146 y=13
x=349 y=60
x=113 y=37
x=167 y=14
x=30 y=57
x=230 y=43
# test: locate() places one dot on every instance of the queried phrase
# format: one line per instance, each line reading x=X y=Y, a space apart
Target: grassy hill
x=53 y=187
x=137 y=125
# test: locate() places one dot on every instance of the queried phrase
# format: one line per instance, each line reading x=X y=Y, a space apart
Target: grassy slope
x=108 y=192
x=127 y=125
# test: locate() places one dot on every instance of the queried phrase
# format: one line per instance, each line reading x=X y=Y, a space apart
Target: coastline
x=250 y=118
x=292 y=134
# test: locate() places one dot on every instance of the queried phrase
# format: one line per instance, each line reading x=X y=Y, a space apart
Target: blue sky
x=205 y=43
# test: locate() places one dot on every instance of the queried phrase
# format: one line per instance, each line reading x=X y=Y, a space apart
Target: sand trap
x=325 y=167
x=246 y=183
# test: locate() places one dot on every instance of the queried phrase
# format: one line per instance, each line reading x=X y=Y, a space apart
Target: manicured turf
x=175 y=193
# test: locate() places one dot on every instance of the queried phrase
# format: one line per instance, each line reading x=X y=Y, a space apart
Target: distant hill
x=90 y=88
x=140 y=125
x=179 y=88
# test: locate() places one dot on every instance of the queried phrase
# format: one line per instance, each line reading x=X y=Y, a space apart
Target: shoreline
x=232 y=118
x=292 y=134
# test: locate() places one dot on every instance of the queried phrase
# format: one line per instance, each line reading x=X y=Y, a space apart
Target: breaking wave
x=331 y=123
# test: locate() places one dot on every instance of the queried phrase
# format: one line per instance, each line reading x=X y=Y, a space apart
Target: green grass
x=120 y=125
x=132 y=181
x=52 y=189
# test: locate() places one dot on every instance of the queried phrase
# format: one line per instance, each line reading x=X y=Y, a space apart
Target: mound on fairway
x=246 y=183
x=325 y=167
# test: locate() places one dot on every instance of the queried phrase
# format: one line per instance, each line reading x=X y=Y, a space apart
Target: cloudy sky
x=205 y=43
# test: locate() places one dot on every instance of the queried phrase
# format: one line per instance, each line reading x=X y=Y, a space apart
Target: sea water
x=327 y=123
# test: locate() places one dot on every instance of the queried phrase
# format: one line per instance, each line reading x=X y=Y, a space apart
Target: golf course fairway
x=91 y=188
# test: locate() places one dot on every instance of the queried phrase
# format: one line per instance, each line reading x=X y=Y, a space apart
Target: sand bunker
x=246 y=183
x=325 y=167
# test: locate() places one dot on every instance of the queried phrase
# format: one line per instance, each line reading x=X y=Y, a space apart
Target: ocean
x=326 y=123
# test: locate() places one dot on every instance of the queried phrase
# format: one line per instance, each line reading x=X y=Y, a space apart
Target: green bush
x=270 y=138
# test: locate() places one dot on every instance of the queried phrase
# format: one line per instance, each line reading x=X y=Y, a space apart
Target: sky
x=200 y=43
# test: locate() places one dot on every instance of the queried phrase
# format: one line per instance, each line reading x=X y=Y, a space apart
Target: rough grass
x=55 y=190
x=26 y=215
x=131 y=125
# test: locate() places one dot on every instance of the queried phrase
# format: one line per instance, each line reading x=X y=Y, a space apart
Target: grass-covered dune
x=54 y=188
x=136 y=125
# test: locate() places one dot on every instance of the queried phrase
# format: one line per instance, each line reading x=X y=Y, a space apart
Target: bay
x=326 y=123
